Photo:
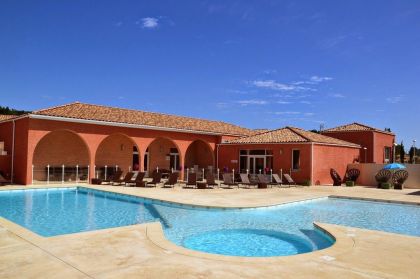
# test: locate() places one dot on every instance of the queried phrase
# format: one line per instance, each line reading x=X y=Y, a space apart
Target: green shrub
x=350 y=183
x=386 y=185
x=307 y=182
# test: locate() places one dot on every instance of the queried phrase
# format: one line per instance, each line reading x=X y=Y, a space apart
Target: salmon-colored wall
x=373 y=141
x=6 y=137
x=362 y=138
x=31 y=131
x=158 y=151
x=282 y=158
x=61 y=148
x=199 y=153
x=327 y=157
x=115 y=150
x=382 y=141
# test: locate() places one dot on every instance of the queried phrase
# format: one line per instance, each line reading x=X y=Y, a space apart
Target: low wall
x=368 y=171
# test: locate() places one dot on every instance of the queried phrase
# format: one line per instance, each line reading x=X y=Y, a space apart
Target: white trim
x=312 y=164
x=293 y=169
x=13 y=152
x=126 y=125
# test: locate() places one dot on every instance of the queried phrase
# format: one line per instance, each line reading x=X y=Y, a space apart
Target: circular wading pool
x=248 y=243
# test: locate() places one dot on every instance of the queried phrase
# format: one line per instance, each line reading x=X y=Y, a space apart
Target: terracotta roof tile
x=353 y=127
x=6 y=117
x=289 y=135
x=127 y=116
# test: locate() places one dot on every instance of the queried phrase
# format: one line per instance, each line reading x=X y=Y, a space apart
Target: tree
x=411 y=155
x=9 y=111
x=402 y=152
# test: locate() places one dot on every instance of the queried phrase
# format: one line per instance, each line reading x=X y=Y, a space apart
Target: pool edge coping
x=342 y=243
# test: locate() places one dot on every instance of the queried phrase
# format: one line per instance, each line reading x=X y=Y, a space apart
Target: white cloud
x=150 y=22
x=287 y=112
x=273 y=85
x=251 y=102
x=318 y=79
x=118 y=24
x=222 y=105
x=283 y=102
x=394 y=99
x=337 y=95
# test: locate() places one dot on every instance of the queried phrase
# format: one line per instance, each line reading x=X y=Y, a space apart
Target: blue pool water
x=271 y=231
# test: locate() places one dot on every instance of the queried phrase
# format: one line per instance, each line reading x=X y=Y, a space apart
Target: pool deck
x=141 y=251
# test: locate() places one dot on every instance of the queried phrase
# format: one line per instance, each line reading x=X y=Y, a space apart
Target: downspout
x=312 y=163
x=217 y=156
x=13 y=153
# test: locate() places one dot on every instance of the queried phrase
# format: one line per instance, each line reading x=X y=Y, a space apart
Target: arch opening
x=199 y=156
x=162 y=154
x=60 y=156
x=116 y=152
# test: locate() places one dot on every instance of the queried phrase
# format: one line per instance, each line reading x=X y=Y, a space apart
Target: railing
x=59 y=174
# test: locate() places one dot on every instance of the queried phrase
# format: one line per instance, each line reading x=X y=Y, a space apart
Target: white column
x=106 y=169
x=77 y=174
x=48 y=174
x=62 y=174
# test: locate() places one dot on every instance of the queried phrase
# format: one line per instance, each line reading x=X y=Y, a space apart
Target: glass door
x=256 y=163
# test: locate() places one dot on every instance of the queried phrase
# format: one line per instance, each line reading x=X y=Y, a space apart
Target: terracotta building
x=56 y=143
x=307 y=156
x=377 y=146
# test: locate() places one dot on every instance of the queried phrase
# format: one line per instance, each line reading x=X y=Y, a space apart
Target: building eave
x=125 y=125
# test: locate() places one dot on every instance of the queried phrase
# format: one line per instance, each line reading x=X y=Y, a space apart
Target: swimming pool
x=261 y=232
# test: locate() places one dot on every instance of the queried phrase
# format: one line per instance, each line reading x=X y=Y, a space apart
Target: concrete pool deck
x=141 y=251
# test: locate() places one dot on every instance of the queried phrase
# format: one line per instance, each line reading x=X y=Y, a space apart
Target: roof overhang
x=295 y=142
x=125 y=125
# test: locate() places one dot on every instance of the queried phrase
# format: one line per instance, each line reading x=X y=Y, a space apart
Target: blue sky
x=259 y=64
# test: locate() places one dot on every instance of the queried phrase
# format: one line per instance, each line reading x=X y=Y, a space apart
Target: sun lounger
x=138 y=181
x=172 y=180
x=245 y=180
x=157 y=177
x=4 y=181
x=265 y=179
x=210 y=180
x=337 y=181
x=289 y=179
x=228 y=180
x=111 y=178
x=127 y=179
x=191 y=180
x=277 y=180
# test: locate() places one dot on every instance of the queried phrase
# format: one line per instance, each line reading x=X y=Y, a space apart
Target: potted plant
x=307 y=182
x=386 y=185
x=350 y=183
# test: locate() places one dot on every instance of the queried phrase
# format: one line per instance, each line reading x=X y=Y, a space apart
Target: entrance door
x=256 y=163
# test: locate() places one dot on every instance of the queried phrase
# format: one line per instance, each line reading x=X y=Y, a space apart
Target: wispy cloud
x=302 y=85
x=287 y=112
x=394 y=99
x=149 y=22
x=251 y=102
x=222 y=105
x=274 y=85
x=118 y=24
x=318 y=79
x=283 y=102
x=336 y=95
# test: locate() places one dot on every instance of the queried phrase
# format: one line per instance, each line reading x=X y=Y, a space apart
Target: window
x=296 y=159
x=387 y=154
x=257 y=152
